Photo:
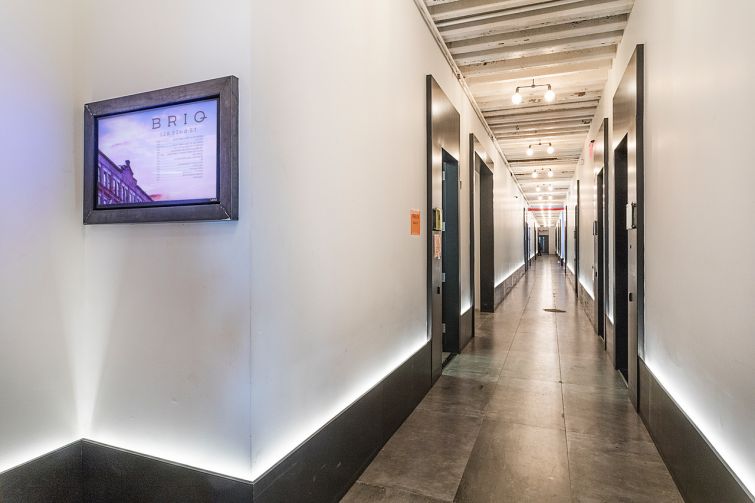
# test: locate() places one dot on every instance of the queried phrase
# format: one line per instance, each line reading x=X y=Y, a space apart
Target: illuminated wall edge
x=217 y=466
x=165 y=453
x=312 y=425
x=31 y=453
x=506 y=275
x=739 y=468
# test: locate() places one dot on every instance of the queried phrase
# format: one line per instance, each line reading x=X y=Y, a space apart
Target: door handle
x=630 y=297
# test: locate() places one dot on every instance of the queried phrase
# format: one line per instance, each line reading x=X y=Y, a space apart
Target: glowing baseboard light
x=739 y=469
x=186 y=458
x=508 y=275
x=286 y=446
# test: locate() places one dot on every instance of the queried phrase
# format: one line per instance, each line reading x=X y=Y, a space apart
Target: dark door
x=576 y=243
x=450 y=257
x=621 y=351
x=632 y=294
x=525 y=233
x=487 y=252
x=599 y=279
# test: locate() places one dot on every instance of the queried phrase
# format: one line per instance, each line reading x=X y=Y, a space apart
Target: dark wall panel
x=115 y=475
x=465 y=328
x=322 y=469
x=54 y=477
x=698 y=471
x=325 y=466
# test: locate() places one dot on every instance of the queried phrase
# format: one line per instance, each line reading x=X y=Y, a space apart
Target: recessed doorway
x=451 y=290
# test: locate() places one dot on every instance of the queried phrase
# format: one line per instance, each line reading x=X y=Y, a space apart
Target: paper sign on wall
x=416 y=222
x=436 y=245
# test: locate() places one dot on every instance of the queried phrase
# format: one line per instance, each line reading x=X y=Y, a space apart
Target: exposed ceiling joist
x=540 y=61
x=571 y=44
x=499 y=45
x=541 y=72
x=551 y=14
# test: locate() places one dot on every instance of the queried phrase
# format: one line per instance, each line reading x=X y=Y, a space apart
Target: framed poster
x=163 y=156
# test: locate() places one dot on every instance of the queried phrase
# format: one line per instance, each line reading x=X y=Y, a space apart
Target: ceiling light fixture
x=516 y=98
x=550 y=173
x=537 y=188
x=549 y=95
x=530 y=151
x=550 y=198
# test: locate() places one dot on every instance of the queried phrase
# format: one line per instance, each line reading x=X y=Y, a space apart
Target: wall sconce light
x=537 y=188
x=534 y=173
x=550 y=173
x=549 y=95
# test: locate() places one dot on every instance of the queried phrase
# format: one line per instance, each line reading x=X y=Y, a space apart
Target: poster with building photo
x=158 y=156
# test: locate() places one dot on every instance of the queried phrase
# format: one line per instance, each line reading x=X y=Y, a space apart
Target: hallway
x=532 y=410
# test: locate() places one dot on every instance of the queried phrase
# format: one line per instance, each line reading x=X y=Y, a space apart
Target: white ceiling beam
x=573 y=113
x=455 y=9
x=586 y=78
x=535 y=136
x=540 y=48
x=465 y=28
x=536 y=96
x=546 y=71
x=542 y=60
x=539 y=125
x=544 y=34
x=550 y=107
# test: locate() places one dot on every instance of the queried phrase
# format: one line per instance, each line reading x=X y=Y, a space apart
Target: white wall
x=552 y=240
x=698 y=168
x=167 y=306
x=339 y=157
x=40 y=247
x=223 y=345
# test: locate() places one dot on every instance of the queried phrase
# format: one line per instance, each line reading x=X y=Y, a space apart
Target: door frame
x=602 y=200
x=479 y=162
x=576 y=242
x=443 y=124
x=628 y=130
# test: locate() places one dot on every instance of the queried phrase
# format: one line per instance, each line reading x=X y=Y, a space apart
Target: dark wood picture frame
x=225 y=90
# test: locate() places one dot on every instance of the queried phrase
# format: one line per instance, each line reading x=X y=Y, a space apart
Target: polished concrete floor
x=531 y=410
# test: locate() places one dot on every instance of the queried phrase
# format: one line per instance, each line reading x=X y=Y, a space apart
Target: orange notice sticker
x=416 y=226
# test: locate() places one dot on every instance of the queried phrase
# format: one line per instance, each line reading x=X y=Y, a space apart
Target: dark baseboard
x=56 y=476
x=699 y=472
x=322 y=469
x=569 y=276
x=610 y=341
x=112 y=474
x=588 y=306
x=503 y=288
x=465 y=329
